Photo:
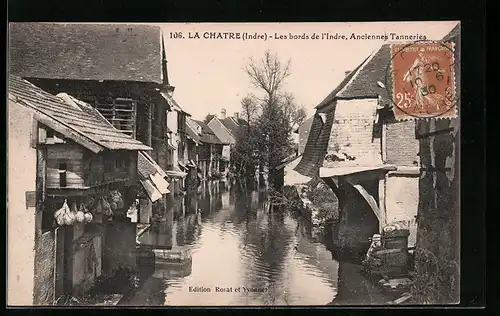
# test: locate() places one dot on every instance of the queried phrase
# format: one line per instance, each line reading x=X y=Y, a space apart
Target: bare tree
x=269 y=75
x=249 y=109
x=294 y=114
x=271 y=118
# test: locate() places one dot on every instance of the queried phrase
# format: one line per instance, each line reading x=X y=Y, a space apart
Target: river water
x=243 y=255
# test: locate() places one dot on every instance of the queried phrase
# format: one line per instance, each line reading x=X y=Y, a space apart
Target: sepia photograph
x=233 y=164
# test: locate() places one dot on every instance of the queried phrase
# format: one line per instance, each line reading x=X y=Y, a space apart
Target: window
x=120 y=162
x=62 y=175
x=121 y=113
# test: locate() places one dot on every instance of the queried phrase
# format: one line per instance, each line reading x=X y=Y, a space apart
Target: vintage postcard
x=233 y=164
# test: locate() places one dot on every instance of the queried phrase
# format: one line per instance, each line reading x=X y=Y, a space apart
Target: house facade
x=227 y=128
x=226 y=136
x=78 y=177
x=191 y=154
x=368 y=159
x=118 y=69
x=210 y=153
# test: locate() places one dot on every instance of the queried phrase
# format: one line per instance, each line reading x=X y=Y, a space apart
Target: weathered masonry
x=369 y=159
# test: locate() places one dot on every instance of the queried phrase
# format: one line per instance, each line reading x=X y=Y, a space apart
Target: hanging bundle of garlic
x=106 y=208
x=80 y=217
x=64 y=216
x=116 y=197
x=87 y=216
x=96 y=207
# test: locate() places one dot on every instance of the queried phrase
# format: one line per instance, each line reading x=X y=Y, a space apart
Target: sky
x=208 y=74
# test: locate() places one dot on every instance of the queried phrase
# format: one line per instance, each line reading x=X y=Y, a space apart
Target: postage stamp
x=423 y=80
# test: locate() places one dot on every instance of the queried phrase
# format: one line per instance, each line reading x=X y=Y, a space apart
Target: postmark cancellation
x=423 y=80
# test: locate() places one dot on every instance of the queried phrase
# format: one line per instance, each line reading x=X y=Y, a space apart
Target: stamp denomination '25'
x=423 y=80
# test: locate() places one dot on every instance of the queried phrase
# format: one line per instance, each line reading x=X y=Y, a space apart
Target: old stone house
x=368 y=158
x=119 y=69
x=63 y=151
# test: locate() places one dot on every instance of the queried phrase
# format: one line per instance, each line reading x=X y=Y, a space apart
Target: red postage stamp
x=423 y=80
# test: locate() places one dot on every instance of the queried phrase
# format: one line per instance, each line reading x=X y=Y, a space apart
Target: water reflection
x=238 y=242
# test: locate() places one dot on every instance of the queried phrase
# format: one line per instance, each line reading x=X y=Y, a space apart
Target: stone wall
x=357 y=222
x=402 y=146
x=402 y=202
x=44 y=269
x=354 y=133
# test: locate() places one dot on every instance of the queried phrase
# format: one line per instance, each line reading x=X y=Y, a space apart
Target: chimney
x=347 y=72
x=236 y=116
x=223 y=114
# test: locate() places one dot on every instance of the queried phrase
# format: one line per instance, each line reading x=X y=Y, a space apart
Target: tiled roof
x=364 y=82
x=221 y=131
x=192 y=134
x=172 y=103
x=86 y=51
x=79 y=118
x=190 y=122
x=151 y=176
x=342 y=84
x=208 y=135
x=317 y=143
x=233 y=126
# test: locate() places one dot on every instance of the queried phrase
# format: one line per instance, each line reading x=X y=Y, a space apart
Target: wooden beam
x=41 y=177
x=149 y=125
x=381 y=199
x=368 y=198
x=333 y=185
x=84 y=191
x=68 y=132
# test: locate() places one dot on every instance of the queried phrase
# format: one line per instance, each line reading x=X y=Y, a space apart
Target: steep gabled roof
x=221 y=131
x=317 y=142
x=73 y=118
x=232 y=125
x=364 y=82
x=342 y=84
x=192 y=134
x=208 y=136
x=151 y=176
x=86 y=51
x=173 y=104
